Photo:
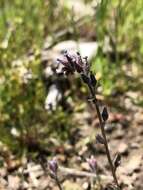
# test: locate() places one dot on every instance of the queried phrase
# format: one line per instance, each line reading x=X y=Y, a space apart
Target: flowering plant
x=75 y=63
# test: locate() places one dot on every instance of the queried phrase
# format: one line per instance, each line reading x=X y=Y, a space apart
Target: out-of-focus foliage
x=24 y=25
x=119 y=25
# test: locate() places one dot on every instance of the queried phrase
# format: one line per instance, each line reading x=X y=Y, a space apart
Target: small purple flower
x=92 y=163
x=53 y=166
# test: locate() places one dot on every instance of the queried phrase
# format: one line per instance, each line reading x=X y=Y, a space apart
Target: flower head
x=74 y=63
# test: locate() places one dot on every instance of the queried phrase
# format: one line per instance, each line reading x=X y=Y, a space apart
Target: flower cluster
x=75 y=63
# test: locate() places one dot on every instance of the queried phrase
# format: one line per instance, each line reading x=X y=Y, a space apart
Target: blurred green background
x=116 y=26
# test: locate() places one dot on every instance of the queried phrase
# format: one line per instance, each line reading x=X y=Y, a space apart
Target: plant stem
x=58 y=183
x=102 y=124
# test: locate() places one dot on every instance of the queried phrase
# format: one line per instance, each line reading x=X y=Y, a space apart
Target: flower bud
x=53 y=166
x=104 y=114
x=92 y=163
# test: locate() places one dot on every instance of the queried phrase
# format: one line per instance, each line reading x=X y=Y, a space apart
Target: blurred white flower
x=53 y=97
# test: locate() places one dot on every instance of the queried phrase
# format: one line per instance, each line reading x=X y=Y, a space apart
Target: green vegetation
x=25 y=25
x=119 y=27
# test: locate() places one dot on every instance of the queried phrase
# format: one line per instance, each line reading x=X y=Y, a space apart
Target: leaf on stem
x=117 y=161
x=105 y=114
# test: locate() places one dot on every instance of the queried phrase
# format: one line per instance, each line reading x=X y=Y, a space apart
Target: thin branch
x=102 y=125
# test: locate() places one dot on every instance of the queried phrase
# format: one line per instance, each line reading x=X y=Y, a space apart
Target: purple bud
x=78 y=67
x=67 y=68
x=92 y=163
x=79 y=59
x=63 y=61
x=67 y=71
x=70 y=60
x=104 y=114
x=53 y=166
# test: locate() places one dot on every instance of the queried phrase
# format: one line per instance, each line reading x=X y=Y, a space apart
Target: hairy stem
x=102 y=124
